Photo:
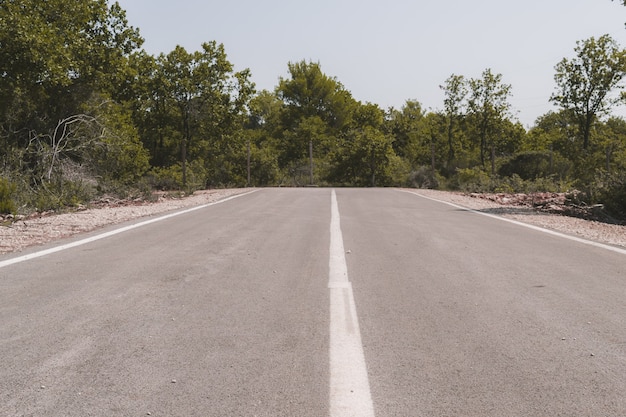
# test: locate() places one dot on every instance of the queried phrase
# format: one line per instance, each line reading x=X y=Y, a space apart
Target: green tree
x=200 y=104
x=54 y=61
x=612 y=140
x=404 y=126
x=365 y=158
x=488 y=107
x=317 y=110
x=53 y=57
x=584 y=83
x=119 y=158
x=454 y=103
x=262 y=129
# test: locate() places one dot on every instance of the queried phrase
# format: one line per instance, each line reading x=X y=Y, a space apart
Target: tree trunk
x=248 y=163
x=183 y=157
x=451 y=154
x=493 y=159
x=311 y=162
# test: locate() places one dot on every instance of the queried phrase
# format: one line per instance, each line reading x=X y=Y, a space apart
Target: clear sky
x=387 y=52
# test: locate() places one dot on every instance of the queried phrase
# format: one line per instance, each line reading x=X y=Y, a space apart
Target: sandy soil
x=19 y=234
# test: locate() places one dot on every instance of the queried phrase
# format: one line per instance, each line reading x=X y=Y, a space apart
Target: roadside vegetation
x=85 y=112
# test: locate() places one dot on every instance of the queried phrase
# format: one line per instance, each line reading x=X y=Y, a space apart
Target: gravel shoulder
x=41 y=229
x=610 y=234
x=38 y=230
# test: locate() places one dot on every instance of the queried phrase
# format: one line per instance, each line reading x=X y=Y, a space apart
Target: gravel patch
x=37 y=230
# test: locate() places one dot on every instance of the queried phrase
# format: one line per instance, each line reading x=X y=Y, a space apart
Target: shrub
x=534 y=165
x=62 y=194
x=171 y=178
x=7 y=190
x=423 y=178
x=613 y=196
x=166 y=179
x=473 y=180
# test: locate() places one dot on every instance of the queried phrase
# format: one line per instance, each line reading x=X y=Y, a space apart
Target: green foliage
x=119 y=157
x=171 y=178
x=166 y=178
x=315 y=109
x=488 y=107
x=404 y=126
x=309 y=92
x=614 y=198
x=365 y=158
x=83 y=110
x=455 y=90
x=585 y=82
x=7 y=190
x=60 y=194
x=472 y=180
x=264 y=169
x=423 y=177
x=534 y=165
x=194 y=104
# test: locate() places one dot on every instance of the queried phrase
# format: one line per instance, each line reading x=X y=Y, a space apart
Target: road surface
x=315 y=302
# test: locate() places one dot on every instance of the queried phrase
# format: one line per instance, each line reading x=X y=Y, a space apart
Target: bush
x=7 y=190
x=171 y=178
x=423 y=177
x=62 y=194
x=613 y=196
x=534 y=165
x=166 y=179
x=473 y=180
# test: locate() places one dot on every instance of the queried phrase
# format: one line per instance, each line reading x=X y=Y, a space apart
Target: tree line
x=84 y=111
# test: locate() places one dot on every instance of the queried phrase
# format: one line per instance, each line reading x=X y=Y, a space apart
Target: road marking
x=529 y=226
x=349 y=385
x=112 y=233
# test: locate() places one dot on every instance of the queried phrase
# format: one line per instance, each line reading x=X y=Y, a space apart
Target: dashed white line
x=349 y=384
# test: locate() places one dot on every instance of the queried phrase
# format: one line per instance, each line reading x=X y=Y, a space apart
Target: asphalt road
x=228 y=311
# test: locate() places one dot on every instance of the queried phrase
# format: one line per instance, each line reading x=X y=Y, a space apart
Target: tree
x=317 y=110
x=612 y=137
x=584 y=83
x=404 y=126
x=202 y=101
x=262 y=129
x=310 y=92
x=54 y=61
x=53 y=57
x=364 y=158
x=454 y=103
x=488 y=106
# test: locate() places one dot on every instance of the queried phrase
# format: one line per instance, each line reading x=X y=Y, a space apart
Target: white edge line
x=81 y=242
x=529 y=226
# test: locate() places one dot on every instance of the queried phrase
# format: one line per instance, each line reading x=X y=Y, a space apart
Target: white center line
x=349 y=384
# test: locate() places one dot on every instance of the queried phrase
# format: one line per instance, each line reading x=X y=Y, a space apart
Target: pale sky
x=387 y=52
